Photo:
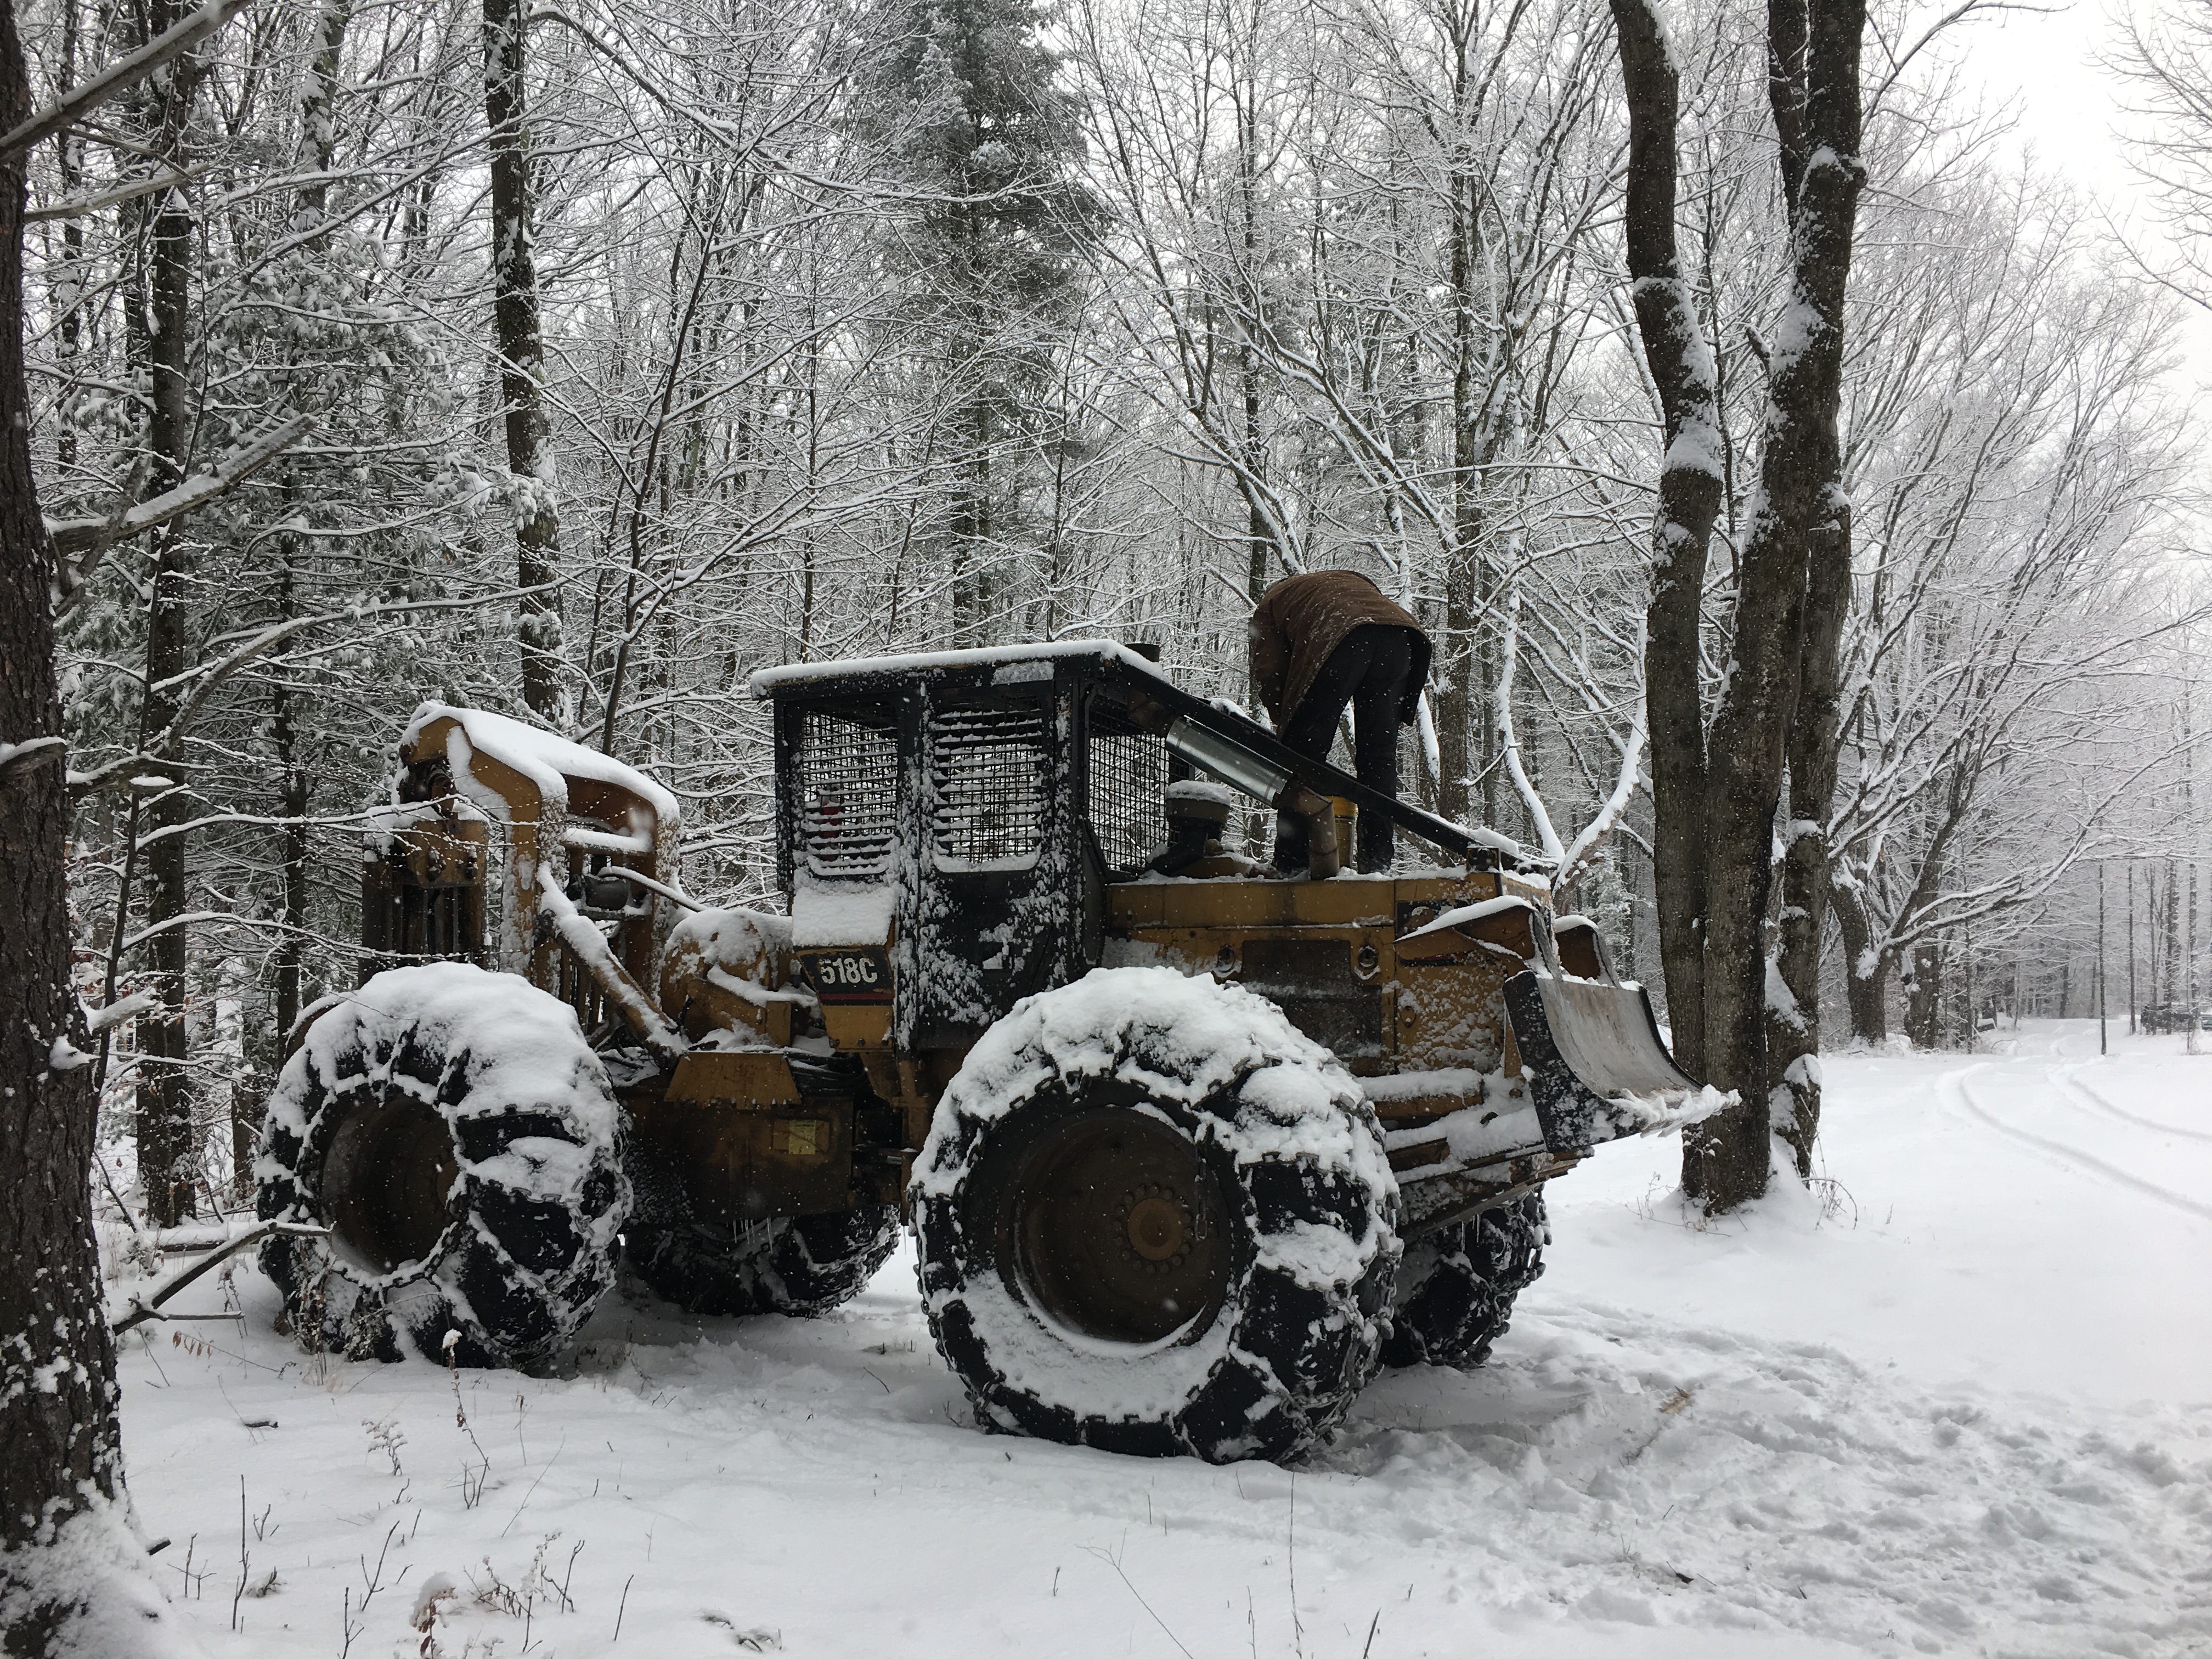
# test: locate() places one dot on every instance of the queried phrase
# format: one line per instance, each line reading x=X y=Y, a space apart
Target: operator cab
x=960 y=829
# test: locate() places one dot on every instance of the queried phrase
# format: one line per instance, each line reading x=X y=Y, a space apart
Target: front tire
x=457 y=1135
x=802 y=1266
x=1154 y=1218
x=1456 y=1286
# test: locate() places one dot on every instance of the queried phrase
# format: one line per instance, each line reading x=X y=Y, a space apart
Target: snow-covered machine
x=1188 y=1150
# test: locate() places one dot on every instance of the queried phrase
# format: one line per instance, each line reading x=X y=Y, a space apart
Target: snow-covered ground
x=1969 y=1411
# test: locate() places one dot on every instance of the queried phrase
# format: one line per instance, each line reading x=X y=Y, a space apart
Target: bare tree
x=1774 y=717
x=2164 y=55
x=65 y=1559
x=517 y=329
x=2013 y=452
x=60 y=1445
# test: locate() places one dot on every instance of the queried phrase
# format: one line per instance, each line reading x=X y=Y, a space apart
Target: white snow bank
x=95 y=1567
x=1969 y=1414
x=543 y=757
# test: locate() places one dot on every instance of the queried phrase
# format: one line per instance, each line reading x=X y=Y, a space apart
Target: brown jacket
x=1301 y=619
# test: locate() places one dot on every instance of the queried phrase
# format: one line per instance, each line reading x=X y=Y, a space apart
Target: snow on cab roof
x=545 y=757
x=766 y=682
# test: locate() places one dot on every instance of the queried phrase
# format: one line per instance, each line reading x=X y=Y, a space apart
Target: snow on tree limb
x=121 y=75
x=80 y=544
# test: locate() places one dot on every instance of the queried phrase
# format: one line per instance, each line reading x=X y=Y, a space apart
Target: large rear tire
x=457 y=1135
x=803 y=1266
x=1154 y=1218
x=1456 y=1286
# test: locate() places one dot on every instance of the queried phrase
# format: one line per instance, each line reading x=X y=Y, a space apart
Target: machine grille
x=847 y=785
x=991 y=764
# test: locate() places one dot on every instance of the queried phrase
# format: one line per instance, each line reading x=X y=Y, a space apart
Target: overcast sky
x=2044 y=63
x=2068 y=107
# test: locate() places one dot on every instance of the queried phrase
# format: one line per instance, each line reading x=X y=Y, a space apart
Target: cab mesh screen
x=991 y=764
x=1128 y=802
x=848 y=778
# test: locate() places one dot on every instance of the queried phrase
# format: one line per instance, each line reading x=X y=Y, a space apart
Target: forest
x=582 y=369
x=575 y=362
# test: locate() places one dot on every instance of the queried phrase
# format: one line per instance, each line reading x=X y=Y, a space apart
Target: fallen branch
x=143 y=1309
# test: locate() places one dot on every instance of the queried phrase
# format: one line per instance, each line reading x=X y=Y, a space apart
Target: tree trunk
x=1259 y=531
x=522 y=359
x=292 y=806
x=1794 y=1035
x=1813 y=49
x=1465 y=674
x=1923 y=997
x=60 y=1446
x=1813 y=82
x=1866 y=972
x=319 y=115
x=167 y=1158
x=1867 y=999
x=69 y=286
x=2172 y=932
x=1689 y=500
x=318 y=133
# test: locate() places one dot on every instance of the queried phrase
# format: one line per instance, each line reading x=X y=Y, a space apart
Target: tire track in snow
x=1954 y=1084
x=2068 y=1079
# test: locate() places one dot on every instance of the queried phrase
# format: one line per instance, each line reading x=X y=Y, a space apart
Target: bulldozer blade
x=1596 y=1066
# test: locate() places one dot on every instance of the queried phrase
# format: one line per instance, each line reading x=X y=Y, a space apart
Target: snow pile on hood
x=547 y=759
x=744 y=952
x=1466 y=914
x=842 y=915
x=92 y=1567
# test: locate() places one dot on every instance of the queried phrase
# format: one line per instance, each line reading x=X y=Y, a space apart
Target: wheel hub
x=1113 y=1224
x=1156 y=1228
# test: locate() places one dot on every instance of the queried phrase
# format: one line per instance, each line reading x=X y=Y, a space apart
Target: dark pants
x=1369 y=672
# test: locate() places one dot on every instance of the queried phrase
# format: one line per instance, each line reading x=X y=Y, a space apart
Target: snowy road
x=1971 y=1414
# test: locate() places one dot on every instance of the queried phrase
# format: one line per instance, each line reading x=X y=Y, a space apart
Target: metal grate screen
x=991 y=764
x=1127 y=801
x=847 y=782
